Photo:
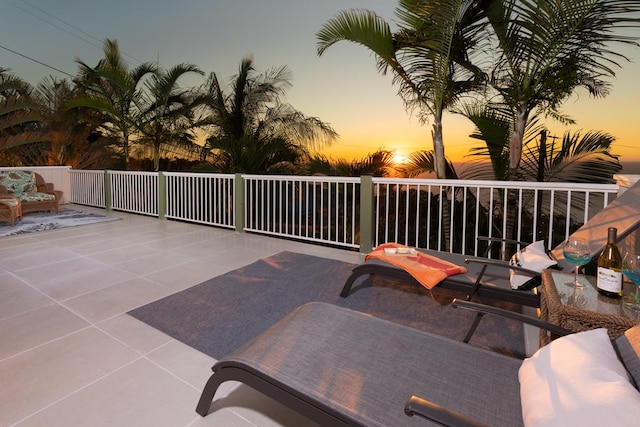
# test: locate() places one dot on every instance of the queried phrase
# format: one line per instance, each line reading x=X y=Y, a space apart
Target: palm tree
x=251 y=129
x=20 y=121
x=549 y=48
x=428 y=54
x=113 y=89
x=576 y=158
x=423 y=161
x=378 y=163
x=72 y=137
x=167 y=111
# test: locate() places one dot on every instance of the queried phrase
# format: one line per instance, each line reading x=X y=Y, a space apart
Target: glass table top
x=588 y=298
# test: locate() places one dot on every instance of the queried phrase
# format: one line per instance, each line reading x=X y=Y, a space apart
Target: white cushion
x=577 y=380
x=533 y=257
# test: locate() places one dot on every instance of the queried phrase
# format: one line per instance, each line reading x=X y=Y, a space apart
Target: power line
x=64 y=29
x=77 y=29
x=60 y=20
x=50 y=23
x=36 y=61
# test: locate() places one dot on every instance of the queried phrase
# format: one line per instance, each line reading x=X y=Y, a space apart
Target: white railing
x=202 y=198
x=319 y=209
x=87 y=188
x=135 y=192
x=448 y=215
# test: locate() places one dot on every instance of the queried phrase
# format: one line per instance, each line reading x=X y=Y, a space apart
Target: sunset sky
x=342 y=88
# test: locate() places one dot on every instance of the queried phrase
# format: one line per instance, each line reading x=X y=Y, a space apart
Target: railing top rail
x=201 y=174
x=302 y=178
x=94 y=171
x=499 y=184
x=113 y=172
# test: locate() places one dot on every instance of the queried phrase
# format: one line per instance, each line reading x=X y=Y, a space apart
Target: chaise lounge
x=339 y=367
x=490 y=278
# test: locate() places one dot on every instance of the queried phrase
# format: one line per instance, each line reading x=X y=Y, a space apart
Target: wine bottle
x=609 y=280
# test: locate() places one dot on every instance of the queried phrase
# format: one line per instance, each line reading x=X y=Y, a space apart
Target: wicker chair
x=10 y=209
x=39 y=196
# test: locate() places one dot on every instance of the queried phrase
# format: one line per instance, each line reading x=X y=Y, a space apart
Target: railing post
x=162 y=195
x=108 y=202
x=238 y=202
x=366 y=213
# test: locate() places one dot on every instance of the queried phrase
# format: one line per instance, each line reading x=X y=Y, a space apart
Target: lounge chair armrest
x=502 y=264
x=501 y=240
x=439 y=415
x=494 y=240
x=488 y=309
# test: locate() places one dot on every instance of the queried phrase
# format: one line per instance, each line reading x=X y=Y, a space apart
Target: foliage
x=251 y=130
x=429 y=54
x=113 y=89
x=546 y=49
x=167 y=111
x=19 y=116
x=378 y=163
x=421 y=162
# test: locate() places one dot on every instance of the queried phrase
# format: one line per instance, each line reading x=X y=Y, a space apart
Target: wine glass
x=631 y=269
x=578 y=252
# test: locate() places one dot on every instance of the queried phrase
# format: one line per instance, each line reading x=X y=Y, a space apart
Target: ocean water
x=631 y=168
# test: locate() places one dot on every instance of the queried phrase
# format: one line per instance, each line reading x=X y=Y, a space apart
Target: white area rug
x=41 y=221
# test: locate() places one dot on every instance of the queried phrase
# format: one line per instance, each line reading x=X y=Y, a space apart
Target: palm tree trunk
x=441 y=173
x=515 y=146
x=438 y=149
x=125 y=149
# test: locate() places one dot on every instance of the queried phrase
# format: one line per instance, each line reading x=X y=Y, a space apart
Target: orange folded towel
x=426 y=269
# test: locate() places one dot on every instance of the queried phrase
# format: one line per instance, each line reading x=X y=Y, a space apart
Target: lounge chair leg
x=207 y=395
x=351 y=280
x=473 y=327
x=347 y=286
x=476 y=288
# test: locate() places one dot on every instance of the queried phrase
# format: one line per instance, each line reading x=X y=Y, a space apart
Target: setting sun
x=400 y=159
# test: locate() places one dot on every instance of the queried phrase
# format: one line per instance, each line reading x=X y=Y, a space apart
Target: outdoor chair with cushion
x=491 y=278
x=10 y=209
x=340 y=367
x=31 y=189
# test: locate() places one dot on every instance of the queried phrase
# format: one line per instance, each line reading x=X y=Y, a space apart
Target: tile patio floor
x=70 y=356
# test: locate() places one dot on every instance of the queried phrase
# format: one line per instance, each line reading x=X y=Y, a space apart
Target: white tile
x=35 y=327
x=37 y=378
x=259 y=409
x=56 y=270
x=154 y=262
x=82 y=282
x=134 y=333
x=187 y=274
x=223 y=417
x=9 y=282
x=123 y=254
x=140 y=394
x=38 y=256
x=20 y=300
x=185 y=362
x=117 y=299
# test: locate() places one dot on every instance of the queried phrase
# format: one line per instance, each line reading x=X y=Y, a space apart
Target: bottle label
x=609 y=280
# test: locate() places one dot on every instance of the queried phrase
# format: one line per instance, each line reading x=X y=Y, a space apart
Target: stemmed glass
x=578 y=252
x=631 y=269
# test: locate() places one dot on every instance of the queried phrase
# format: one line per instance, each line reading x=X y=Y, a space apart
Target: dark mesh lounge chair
x=490 y=278
x=339 y=367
